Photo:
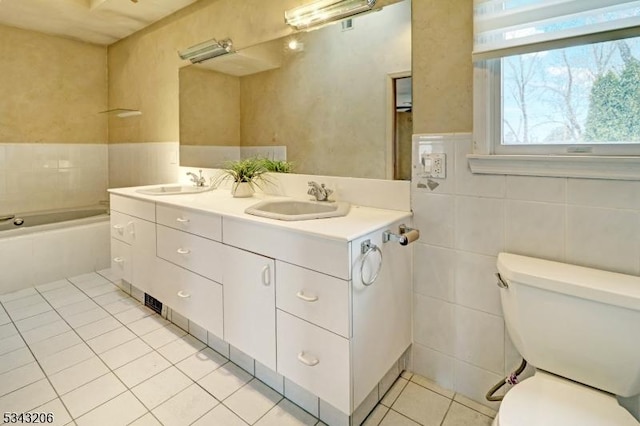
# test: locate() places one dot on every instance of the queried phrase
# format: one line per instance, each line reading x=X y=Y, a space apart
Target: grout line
x=446 y=413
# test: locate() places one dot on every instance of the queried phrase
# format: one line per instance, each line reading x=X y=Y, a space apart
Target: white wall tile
x=479 y=339
x=535 y=188
x=604 y=193
x=535 y=229
x=433 y=215
x=332 y=416
x=433 y=323
x=474 y=382
x=269 y=377
x=475 y=282
x=433 y=272
x=604 y=238
x=243 y=360
x=477 y=185
x=479 y=225
x=434 y=365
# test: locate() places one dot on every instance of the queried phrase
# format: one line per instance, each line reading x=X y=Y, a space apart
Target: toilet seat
x=548 y=400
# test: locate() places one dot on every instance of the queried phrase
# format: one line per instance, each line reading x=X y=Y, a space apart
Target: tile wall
x=35 y=177
x=133 y=164
x=460 y=339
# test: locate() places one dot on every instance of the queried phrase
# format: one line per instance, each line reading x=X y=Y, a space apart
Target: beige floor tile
x=148 y=420
x=97 y=328
x=125 y=353
x=87 y=317
x=201 y=363
x=133 y=314
x=220 y=415
x=392 y=394
x=89 y=396
x=225 y=380
x=73 y=377
x=60 y=414
x=161 y=387
x=431 y=385
x=37 y=321
x=376 y=416
x=163 y=336
x=185 y=407
x=141 y=369
x=395 y=419
x=49 y=347
x=422 y=405
x=15 y=359
x=110 y=339
x=147 y=324
x=253 y=401
x=29 y=397
x=475 y=406
x=11 y=343
x=181 y=348
x=45 y=332
x=20 y=377
x=286 y=413
x=65 y=358
x=120 y=410
x=459 y=415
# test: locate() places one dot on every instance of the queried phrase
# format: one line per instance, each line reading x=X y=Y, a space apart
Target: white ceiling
x=95 y=21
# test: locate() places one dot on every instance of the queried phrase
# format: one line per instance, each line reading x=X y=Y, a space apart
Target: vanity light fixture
x=207 y=50
x=324 y=11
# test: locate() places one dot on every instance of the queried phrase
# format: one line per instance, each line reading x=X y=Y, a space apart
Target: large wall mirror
x=335 y=101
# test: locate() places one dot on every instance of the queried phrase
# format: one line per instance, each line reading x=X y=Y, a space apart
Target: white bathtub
x=52 y=245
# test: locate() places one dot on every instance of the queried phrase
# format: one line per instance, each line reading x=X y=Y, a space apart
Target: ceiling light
x=207 y=50
x=325 y=11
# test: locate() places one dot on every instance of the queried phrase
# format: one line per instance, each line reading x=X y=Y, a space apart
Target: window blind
x=512 y=27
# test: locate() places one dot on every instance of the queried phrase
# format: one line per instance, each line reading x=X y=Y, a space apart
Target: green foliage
x=277 y=166
x=614 y=105
x=251 y=170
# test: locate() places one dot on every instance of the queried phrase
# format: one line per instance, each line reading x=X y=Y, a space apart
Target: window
x=557 y=77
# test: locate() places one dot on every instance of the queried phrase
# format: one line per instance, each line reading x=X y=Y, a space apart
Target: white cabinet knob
x=306 y=298
x=183 y=251
x=308 y=360
x=182 y=220
x=118 y=260
x=183 y=295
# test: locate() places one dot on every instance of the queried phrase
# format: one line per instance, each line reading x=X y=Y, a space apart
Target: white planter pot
x=242 y=190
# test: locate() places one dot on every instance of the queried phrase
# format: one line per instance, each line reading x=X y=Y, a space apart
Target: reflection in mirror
x=334 y=101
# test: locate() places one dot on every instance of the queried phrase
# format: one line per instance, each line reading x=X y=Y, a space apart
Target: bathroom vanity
x=289 y=294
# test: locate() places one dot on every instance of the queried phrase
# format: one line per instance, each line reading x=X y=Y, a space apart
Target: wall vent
x=153 y=303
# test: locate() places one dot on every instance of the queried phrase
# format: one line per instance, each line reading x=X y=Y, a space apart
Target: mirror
x=335 y=101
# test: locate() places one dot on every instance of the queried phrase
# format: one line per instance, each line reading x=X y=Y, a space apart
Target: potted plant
x=245 y=175
x=278 y=166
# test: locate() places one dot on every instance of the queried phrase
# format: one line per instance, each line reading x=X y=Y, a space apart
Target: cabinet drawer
x=315 y=359
x=121 y=260
x=315 y=297
x=203 y=224
x=121 y=226
x=143 y=209
x=191 y=295
x=194 y=253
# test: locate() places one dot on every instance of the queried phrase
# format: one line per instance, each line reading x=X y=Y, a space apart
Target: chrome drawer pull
x=266 y=275
x=183 y=295
x=118 y=260
x=182 y=220
x=302 y=357
x=302 y=296
x=183 y=251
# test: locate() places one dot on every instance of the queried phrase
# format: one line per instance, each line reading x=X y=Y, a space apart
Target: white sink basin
x=173 y=190
x=298 y=210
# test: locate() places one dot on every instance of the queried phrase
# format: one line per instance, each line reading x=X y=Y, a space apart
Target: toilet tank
x=576 y=322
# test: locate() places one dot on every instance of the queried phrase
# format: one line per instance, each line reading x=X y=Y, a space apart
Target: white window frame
x=620 y=162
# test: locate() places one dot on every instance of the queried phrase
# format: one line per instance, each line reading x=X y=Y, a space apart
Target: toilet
x=580 y=329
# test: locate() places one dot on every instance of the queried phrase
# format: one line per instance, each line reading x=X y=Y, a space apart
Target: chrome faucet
x=198 y=181
x=319 y=191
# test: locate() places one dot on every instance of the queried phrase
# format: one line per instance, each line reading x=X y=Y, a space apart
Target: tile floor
x=92 y=355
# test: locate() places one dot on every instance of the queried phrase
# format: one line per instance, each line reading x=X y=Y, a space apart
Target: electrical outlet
x=438 y=166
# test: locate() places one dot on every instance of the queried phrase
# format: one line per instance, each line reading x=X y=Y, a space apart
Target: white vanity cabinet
x=290 y=296
x=133 y=241
x=250 y=304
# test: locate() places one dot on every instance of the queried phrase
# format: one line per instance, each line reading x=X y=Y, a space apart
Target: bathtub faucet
x=319 y=191
x=198 y=181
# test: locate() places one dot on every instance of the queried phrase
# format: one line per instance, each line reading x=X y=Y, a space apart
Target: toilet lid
x=547 y=400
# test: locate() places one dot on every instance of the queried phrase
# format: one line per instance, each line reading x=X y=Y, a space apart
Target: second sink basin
x=298 y=210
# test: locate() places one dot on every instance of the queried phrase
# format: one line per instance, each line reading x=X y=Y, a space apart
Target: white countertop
x=358 y=222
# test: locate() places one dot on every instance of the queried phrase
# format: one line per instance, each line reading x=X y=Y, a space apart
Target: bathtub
x=52 y=245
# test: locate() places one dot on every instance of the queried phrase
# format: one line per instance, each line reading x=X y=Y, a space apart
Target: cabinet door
x=250 y=305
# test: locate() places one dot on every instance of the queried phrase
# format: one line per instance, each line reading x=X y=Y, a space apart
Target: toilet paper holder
x=404 y=236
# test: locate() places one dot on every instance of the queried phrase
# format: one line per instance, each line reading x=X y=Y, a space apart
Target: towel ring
x=367 y=248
